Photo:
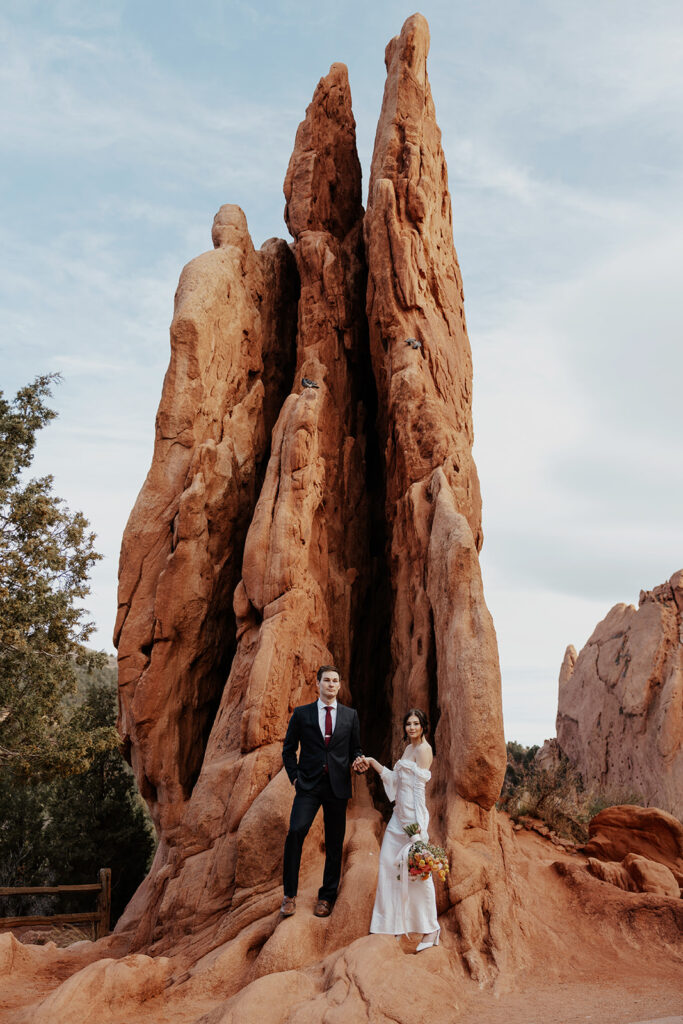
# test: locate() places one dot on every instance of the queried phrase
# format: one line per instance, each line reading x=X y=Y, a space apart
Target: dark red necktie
x=328 y=725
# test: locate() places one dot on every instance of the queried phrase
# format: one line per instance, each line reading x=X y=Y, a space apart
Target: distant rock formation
x=620 y=705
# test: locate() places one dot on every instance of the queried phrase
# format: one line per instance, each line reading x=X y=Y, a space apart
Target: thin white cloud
x=80 y=98
x=474 y=164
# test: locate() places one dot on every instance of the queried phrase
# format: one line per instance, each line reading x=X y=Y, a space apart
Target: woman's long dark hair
x=422 y=719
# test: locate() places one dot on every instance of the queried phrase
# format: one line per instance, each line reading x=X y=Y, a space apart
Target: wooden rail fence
x=100 y=917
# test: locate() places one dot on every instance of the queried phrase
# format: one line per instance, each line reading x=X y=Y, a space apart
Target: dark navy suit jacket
x=304 y=731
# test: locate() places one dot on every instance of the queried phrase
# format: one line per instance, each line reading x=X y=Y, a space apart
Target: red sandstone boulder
x=613 y=872
x=648 y=832
x=636 y=874
x=650 y=876
x=105 y=991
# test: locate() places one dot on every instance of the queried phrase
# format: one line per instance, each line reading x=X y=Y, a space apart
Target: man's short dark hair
x=327 y=668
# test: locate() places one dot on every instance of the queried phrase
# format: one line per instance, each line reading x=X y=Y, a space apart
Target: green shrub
x=61 y=830
x=556 y=795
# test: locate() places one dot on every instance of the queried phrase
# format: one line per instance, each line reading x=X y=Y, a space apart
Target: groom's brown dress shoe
x=323 y=908
x=288 y=906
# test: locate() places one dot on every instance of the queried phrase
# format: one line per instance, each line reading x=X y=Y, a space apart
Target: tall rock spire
x=444 y=648
x=445 y=652
x=232 y=355
x=306 y=552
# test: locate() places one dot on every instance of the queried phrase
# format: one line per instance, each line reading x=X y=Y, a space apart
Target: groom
x=328 y=735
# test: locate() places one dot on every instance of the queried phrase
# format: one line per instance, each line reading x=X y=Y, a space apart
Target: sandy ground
x=626 y=997
x=628 y=1001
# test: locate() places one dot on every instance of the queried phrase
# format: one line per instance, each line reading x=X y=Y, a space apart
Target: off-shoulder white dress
x=404 y=904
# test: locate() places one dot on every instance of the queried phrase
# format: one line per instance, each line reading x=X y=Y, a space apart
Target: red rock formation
x=232 y=346
x=620 y=705
x=307 y=567
x=444 y=650
x=636 y=874
x=619 y=831
x=425 y=389
x=588 y=945
x=314 y=585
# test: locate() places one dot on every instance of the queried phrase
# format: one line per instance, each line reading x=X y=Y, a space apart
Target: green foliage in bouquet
x=425 y=859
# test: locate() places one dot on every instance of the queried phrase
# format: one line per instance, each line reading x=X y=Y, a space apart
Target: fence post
x=104 y=903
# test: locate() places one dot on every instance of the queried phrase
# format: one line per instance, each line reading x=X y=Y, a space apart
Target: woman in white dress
x=403 y=904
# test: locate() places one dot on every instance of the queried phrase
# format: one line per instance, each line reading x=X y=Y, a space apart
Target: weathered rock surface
x=433 y=504
x=105 y=990
x=627 y=829
x=232 y=349
x=444 y=650
x=308 y=559
x=620 y=705
x=336 y=553
x=589 y=944
x=32 y=974
x=548 y=756
x=636 y=874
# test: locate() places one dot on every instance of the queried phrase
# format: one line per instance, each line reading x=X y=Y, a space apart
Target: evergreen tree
x=22 y=860
x=98 y=819
x=68 y=801
x=46 y=554
x=62 y=831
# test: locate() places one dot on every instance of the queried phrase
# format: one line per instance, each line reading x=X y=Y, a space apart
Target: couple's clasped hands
x=362 y=763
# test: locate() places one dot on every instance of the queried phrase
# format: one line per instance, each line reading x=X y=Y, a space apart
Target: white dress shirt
x=321 y=715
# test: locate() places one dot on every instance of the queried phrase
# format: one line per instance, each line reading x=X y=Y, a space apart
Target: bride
x=402 y=904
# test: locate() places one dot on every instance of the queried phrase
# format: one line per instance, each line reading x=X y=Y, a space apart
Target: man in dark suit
x=328 y=735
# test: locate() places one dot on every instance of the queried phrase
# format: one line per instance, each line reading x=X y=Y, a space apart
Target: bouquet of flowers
x=425 y=859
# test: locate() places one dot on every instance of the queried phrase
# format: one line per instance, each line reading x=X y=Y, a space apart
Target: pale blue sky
x=124 y=126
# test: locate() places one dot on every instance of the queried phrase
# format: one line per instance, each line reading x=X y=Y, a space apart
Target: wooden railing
x=100 y=917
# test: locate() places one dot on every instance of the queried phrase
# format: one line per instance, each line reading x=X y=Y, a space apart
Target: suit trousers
x=306 y=805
